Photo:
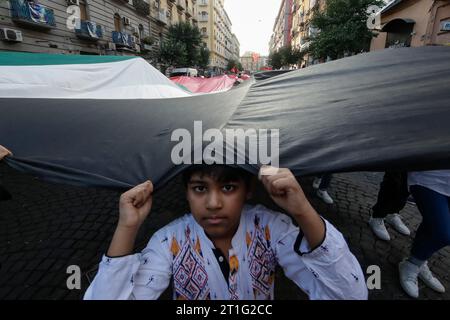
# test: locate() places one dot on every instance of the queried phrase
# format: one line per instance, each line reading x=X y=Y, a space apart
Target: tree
x=173 y=53
x=341 y=29
x=234 y=64
x=187 y=38
x=285 y=57
x=204 y=57
x=275 y=60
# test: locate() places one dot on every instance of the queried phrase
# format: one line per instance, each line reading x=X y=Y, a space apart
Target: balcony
x=32 y=14
x=141 y=7
x=204 y=35
x=123 y=40
x=181 y=4
x=203 y=18
x=161 y=16
x=203 y=3
x=88 y=30
x=188 y=12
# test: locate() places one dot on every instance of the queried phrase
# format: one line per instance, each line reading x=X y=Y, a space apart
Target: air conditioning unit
x=126 y=21
x=133 y=39
x=73 y=2
x=111 y=46
x=7 y=34
x=135 y=29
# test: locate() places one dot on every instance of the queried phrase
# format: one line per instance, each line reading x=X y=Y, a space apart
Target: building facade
x=281 y=35
x=253 y=61
x=236 y=48
x=216 y=29
x=413 y=23
x=302 y=30
x=97 y=27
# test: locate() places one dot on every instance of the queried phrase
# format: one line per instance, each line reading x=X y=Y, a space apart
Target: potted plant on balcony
x=147 y=42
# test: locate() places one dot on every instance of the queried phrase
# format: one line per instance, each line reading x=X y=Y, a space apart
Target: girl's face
x=216 y=206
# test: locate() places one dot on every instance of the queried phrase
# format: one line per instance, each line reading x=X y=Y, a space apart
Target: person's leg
x=392 y=195
x=382 y=207
x=434 y=231
x=391 y=199
x=325 y=181
x=316 y=182
x=398 y=202
x=322 y=192
x=432 y=235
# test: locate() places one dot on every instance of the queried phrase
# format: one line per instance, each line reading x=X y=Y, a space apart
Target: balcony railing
x=122 y=39
x=203 y=18
x=162 y=16
x=181 y=4
x=88 y=30
x=189 y=12
x=141 y=7
x=32 y=14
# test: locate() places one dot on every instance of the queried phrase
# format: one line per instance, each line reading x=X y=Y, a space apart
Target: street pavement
x=48 y=227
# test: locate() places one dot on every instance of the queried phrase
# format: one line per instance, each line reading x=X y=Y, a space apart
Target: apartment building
x=98 y=27
x=216 y=29
x=253 y=61
x=413 y=23
x=281 y=35
x=115 y=27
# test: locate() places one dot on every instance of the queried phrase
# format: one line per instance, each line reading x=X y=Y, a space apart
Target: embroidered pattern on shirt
x=233 y=287
x=261 y=259
x=189 y=273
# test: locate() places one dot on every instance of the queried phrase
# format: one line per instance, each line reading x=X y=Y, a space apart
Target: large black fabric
x=385 y=110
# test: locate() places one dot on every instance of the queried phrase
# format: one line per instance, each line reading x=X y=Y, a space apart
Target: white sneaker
x=408 y=278
x=429 y=279
x=395 y=221
x=378 y=227
x=323 y=194
x=316 y=183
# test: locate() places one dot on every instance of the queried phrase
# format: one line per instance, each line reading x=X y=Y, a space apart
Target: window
x=117 y=23
x=83 y=11
x=141 y=31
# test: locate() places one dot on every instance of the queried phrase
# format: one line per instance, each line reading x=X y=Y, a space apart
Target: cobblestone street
x=47 y=227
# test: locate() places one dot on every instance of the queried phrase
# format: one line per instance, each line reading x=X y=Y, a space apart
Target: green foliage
x=173 y=53
x=183 y=47
x=284 y=57
x=343 y=28
x=203 y=57
x=148 y=40
x=234 y=64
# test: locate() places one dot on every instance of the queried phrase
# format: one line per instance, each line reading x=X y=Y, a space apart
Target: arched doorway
x=399 y=32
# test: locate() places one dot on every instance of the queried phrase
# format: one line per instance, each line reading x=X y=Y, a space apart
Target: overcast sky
x=253 y=22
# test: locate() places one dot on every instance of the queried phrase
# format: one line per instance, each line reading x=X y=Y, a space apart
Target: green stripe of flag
x=39 y=59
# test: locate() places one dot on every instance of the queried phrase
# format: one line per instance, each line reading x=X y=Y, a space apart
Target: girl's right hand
x=135 y=205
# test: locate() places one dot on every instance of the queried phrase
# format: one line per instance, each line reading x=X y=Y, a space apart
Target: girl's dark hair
x=220 y=173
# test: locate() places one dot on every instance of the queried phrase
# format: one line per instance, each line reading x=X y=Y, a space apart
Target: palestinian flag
x=35 y=75
x=114 y=121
